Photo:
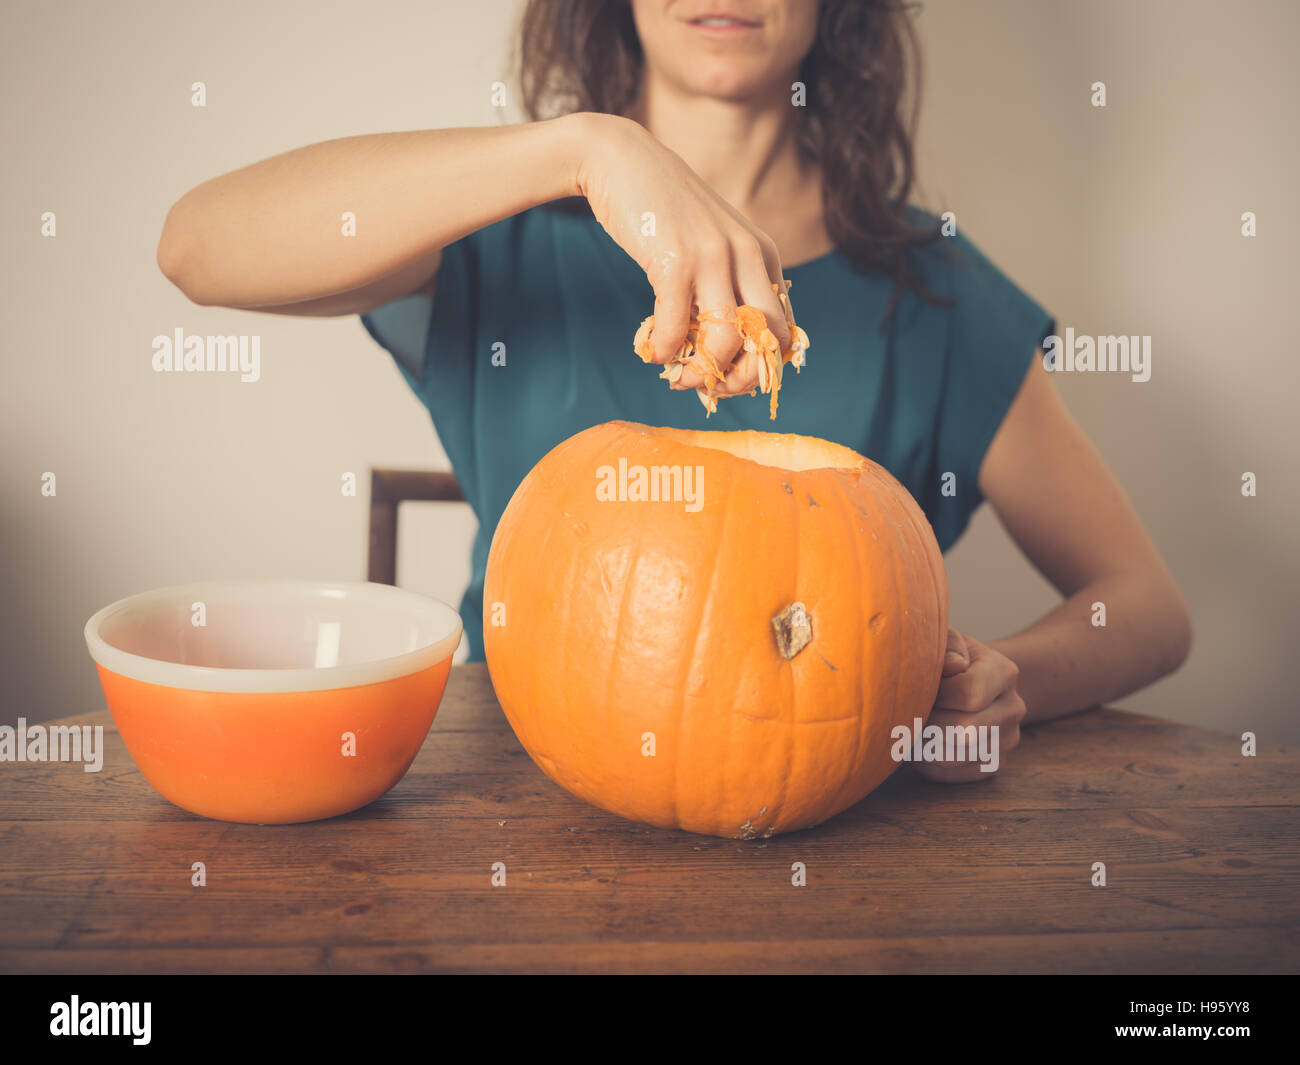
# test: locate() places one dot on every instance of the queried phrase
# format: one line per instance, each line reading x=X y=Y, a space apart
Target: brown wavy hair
x=862 y=97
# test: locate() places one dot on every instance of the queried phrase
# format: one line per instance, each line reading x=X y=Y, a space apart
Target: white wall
x=1127 y=220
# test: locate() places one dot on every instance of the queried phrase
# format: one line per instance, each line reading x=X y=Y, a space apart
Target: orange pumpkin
x=714 y=631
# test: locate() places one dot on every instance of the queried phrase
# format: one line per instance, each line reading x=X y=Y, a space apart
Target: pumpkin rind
x=623 y=619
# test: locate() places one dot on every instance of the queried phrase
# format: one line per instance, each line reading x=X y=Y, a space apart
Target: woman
x=726 y=147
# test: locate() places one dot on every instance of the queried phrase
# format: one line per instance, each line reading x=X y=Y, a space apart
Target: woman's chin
x=733 y=83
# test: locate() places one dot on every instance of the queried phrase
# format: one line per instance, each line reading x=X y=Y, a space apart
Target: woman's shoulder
x=952 y=264
x=994 y=326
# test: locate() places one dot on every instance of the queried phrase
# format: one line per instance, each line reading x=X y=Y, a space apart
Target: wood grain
x=1201 y=845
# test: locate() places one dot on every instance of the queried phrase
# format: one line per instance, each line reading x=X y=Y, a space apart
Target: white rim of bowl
x=218 y=679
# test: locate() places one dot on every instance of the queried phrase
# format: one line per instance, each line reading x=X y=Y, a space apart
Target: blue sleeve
x=994 y=331
x=422 y=336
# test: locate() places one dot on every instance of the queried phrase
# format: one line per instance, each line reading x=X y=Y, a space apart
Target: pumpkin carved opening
x=782 y=451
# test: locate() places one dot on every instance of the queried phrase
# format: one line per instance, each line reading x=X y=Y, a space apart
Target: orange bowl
x=272 y=702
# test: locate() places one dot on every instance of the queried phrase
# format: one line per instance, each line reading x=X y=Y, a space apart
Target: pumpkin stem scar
x=793 y=628
x=748 y=831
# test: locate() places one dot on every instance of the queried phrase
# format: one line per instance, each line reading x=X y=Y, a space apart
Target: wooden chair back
x=388 y=488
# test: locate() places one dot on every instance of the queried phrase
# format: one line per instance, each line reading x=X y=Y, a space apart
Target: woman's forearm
x=1068 y=662
x=273 y=232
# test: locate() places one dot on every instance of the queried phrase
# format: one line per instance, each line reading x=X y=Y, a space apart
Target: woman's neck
x=745 y=151
x=748 y=154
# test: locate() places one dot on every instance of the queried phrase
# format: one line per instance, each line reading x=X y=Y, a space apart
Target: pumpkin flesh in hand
x=724 y=645
x=759 y=350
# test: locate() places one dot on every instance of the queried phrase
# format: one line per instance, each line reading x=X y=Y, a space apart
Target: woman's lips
x=723 y=24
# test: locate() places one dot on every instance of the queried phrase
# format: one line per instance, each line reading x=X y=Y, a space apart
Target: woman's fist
x=978 y=688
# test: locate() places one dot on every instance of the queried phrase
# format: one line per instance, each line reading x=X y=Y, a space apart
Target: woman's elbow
x=176 y=257
x=1176 y=631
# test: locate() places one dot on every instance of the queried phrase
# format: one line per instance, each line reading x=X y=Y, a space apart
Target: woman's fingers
x=717 y=342
x=742 y=376
x=988 y=675
x=759 y=282
x=672 y=317
x=957 y=656
x=1006 y=713
x=767 y=290
x=981 y=693
x=752 y=277
x=696 y=300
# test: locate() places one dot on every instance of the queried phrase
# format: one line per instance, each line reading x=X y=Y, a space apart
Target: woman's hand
x=978 y=688
x=693 y=246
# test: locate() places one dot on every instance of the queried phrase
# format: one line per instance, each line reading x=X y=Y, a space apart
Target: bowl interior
x=276 y=625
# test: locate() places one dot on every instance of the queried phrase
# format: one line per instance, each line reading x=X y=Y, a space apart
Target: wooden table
x=1200 y=845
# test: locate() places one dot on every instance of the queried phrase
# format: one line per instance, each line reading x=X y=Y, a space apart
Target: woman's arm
x=1064 y=508
x=269 y=236
x=1061 y=504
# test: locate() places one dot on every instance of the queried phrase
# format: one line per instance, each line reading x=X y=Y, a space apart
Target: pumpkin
x=713 y=631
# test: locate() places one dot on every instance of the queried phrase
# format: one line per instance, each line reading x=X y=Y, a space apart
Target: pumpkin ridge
x=792 y=759
x=905 y=513
x=898 y=599
x=859 y=583
x=941 y=599
x=881 y=519
x=538 y=680
x=705 y=600
x=531 y=681
x=615 y=661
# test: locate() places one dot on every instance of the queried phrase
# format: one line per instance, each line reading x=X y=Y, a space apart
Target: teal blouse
x=550 y=294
